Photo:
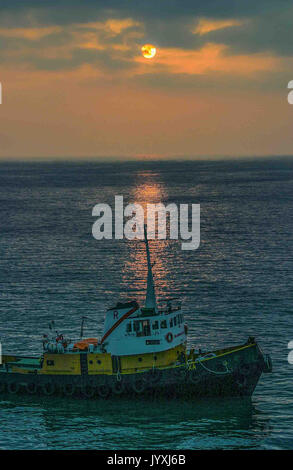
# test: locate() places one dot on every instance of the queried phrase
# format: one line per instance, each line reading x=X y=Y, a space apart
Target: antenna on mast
x=150 y=300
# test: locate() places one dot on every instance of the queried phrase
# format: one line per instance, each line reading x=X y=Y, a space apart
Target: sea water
x=238 y=283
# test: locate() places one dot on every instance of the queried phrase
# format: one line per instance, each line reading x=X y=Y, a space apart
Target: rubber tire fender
x=118 y=387
x=31 y=388
x=88 y=391
x=13 y=388
x=103 y=390
x=138 y=385
x=154 y=376
x=48 y=389
x=68 y=389
x=193 y=376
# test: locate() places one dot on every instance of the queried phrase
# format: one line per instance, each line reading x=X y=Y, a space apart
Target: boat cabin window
x=146 y=329
x=175 y=321
x=142 y=327
x=164 y=324
x=128 y=327
x=171 y=322
x=155 y=325
x=137 y=325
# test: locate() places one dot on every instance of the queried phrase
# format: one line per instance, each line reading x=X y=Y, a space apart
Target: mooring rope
x=227 y=371
x=118 y=376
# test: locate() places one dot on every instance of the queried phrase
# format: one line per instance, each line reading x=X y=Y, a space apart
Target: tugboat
x=142 y=352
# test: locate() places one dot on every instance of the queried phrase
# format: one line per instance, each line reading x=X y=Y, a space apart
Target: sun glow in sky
x=78 y=84
x=148 y=51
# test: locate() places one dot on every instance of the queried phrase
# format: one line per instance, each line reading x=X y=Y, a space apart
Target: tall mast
x=150 y=301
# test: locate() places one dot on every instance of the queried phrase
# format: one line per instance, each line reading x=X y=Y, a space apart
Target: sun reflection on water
x=149 y=189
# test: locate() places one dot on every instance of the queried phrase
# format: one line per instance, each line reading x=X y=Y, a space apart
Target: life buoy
x=31 y=388
x=103 y=391
x=68 y=390
x=48 y=389
x=169 y=337
x=138 y=385
x=13 y=387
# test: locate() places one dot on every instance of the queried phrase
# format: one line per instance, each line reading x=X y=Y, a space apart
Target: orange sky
x=83 y=89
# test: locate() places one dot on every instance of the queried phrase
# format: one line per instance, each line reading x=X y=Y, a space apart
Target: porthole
x=140 y=359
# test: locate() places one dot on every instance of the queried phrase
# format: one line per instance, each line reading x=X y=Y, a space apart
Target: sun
x=148 y=51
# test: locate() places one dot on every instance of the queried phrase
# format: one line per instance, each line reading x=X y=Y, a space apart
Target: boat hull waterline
x=231 y=372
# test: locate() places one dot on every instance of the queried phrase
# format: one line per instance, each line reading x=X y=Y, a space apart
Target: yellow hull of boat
x=98 y=363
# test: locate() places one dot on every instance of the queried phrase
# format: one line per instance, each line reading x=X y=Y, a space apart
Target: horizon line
x=128 y=159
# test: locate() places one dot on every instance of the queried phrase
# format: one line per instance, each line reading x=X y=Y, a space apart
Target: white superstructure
x=130 y=329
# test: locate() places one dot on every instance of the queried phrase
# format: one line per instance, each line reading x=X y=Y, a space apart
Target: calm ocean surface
x=237 y=284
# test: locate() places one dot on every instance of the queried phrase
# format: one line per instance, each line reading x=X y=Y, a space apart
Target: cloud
x=245 y=27
x=113 y=26
x=75 y=82
x=265 y=32
x=205 y=26
x=33 y=34
x=58 y=114
x=211 y=58
x=109 y=45
x=202 y=39
x=73 y=11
